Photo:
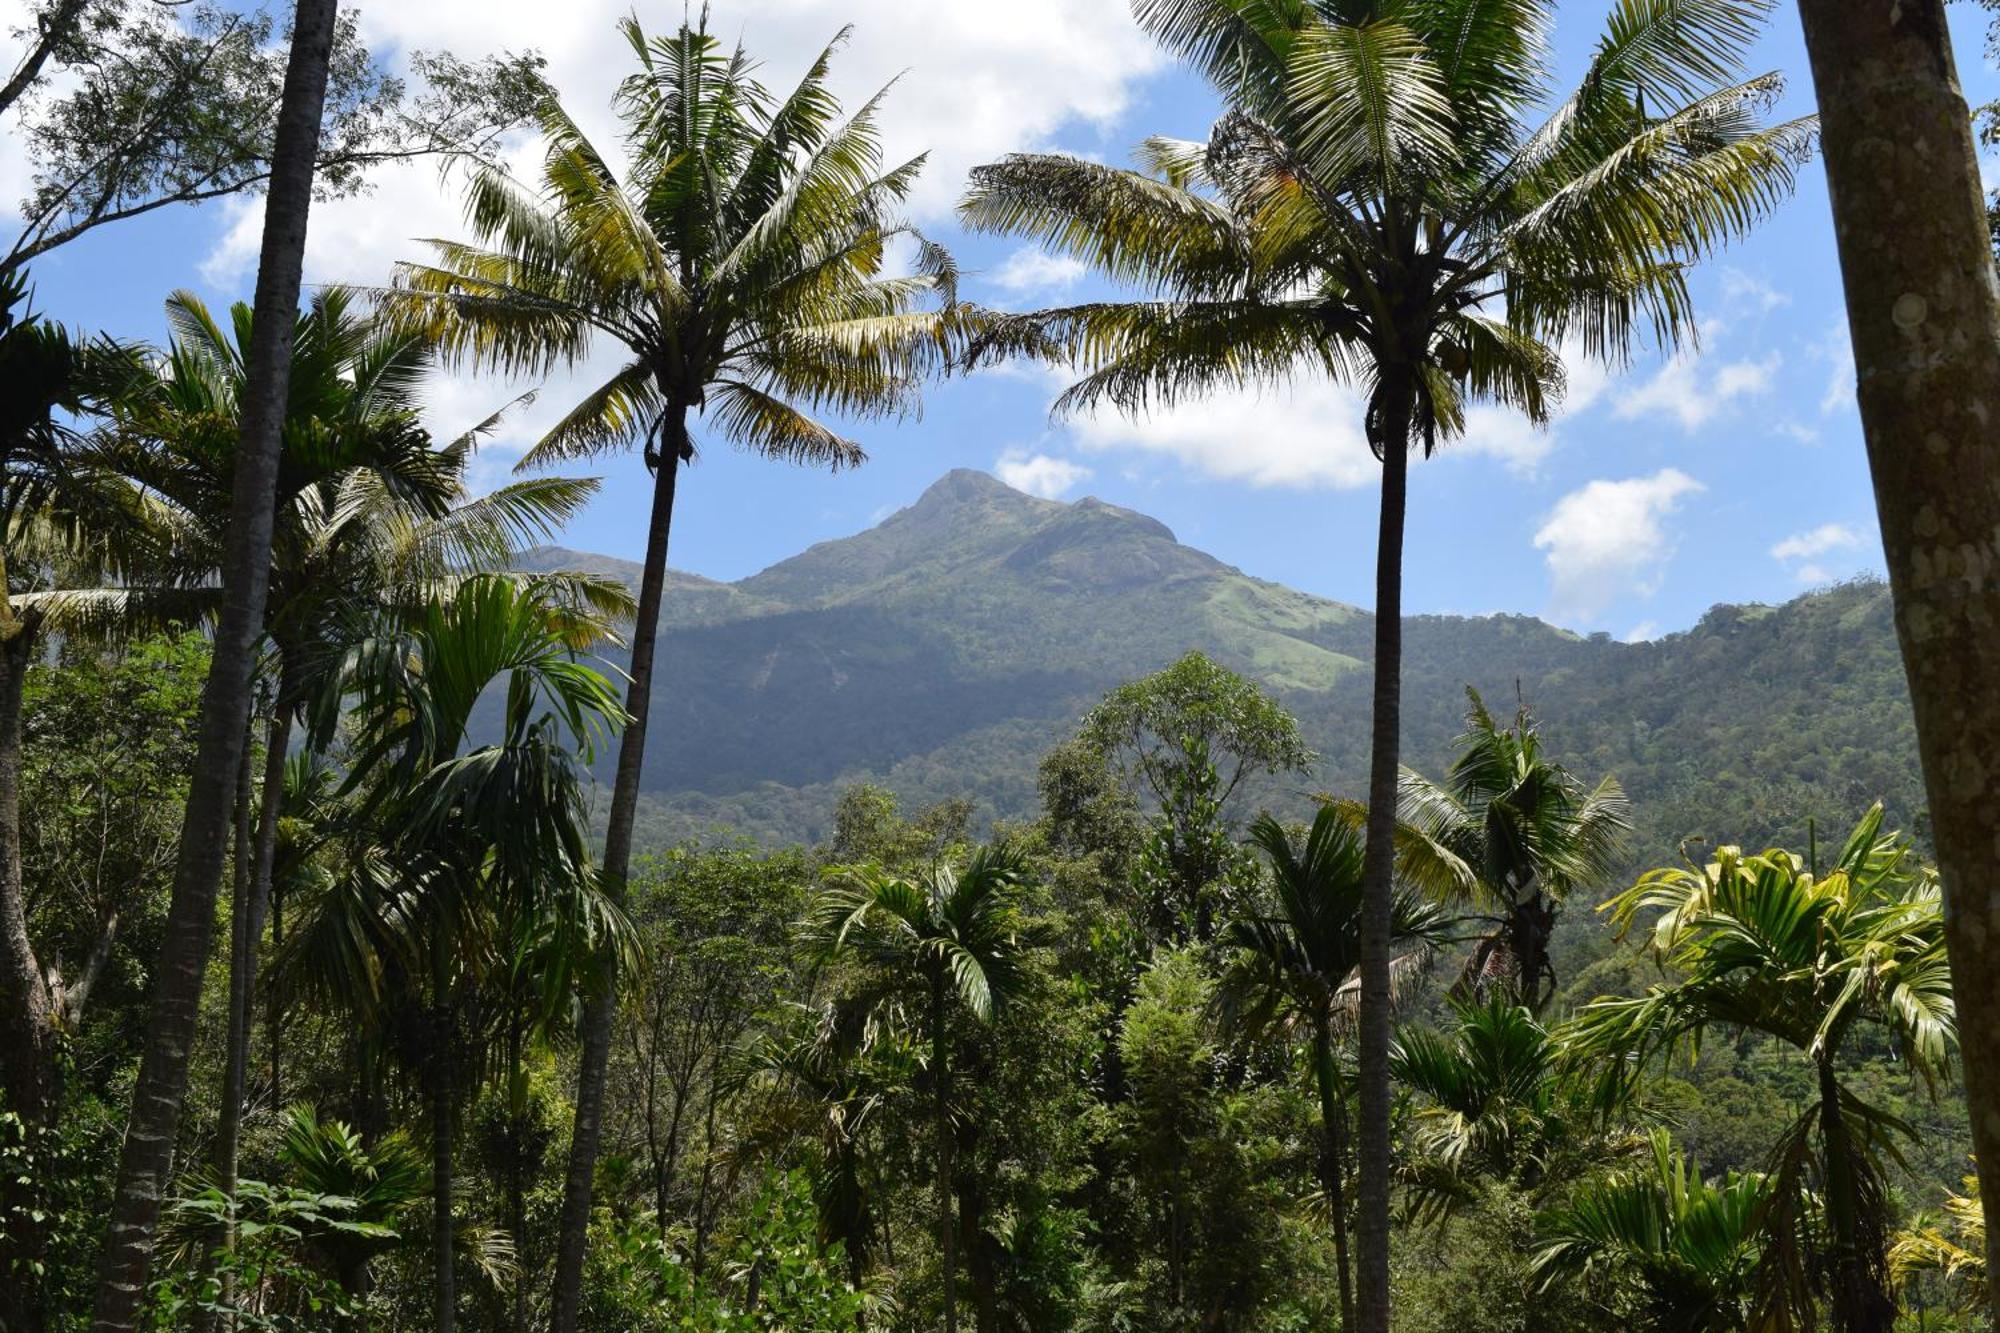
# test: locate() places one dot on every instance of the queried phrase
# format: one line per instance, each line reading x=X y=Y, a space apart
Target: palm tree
x=1912 y=233
x=368 y=510
x=474 y=842
x=157 y=1096
x=1953 y=1247
x=951 y=944
x=1530 y=830
x=1768 y=944
x=1497 y=1103
x=738 y=267
x=1380 y=206
x=825 y=1072
x=1294 y=967
x=1693 y=1245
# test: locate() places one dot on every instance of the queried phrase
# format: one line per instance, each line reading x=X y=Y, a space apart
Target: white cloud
x=1030 y=269
x=1747 y=289
x=1643 y=632
x=1797 y=430
x=972 y=81
x=1607 y=540
x=1826 y=537
x=1040 y=474
x=1813 y=575
x=1305 y=435
x=1683 y=391
x=1836 y=352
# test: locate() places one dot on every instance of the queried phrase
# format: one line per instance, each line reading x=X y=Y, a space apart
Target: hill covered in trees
x=942 y=652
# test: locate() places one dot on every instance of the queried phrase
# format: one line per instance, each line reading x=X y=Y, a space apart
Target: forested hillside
x=942 y=652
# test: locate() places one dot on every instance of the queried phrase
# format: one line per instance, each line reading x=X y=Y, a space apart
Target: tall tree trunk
x=1378 y=880
x=1915 y=257
x=257 y=858
x=941 y=1087
x=27 y=1014
x=1333 y=1157
x=224 y=1238
x=602 y=1004
x=225 y=705
x=27 y=1019
x=444 y=1275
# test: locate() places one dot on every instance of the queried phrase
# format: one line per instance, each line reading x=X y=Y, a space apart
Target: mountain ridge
x=942 y=650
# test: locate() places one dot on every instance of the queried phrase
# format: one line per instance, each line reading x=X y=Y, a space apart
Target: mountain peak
x=964 y=485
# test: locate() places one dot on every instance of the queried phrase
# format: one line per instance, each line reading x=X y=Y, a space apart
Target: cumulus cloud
x=1836 y=352
x=1643 y=632
x=1686 y=390
x=1741 y=290
x=970 y=82
x=1040 y=474
x=1031 y=270
x=1304 y=435
x=1826 y=537
x=1608 y=539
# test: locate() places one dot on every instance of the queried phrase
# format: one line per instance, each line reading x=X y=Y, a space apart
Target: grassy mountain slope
x=945 y=649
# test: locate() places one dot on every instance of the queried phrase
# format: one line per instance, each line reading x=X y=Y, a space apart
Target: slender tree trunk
x=517 y=1187
x=27 y=1018
x=602 y=1004
x=1903 y=176
x=225 y=707
x=27 y=1073
x=443 y=1260
x=242 y=946
x=1333 y=1157
x=1861 y=1301
x=259 y=858
x=224 y=1238
x=941 y=1086
x=1378 y=883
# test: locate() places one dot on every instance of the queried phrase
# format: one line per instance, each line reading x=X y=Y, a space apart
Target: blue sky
x=1732 y=475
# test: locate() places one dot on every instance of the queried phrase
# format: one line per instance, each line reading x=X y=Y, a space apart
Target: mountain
x=944 y=650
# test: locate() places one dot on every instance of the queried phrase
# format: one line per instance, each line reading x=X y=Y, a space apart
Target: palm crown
x=1382 y=206
x=740 y=264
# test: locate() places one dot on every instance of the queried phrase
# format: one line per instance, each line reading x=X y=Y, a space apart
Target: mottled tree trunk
x=157 y=1098
x=444 y=1270
x=1378 y=885
x=1903 y=177
x=602 y=1005
x=27 y=1019
x=26 y=1010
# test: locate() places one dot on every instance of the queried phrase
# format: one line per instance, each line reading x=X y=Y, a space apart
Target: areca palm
x=827 y=1072
x=1531 y=830
x=1497 y=1102
x=482 y=848
x=952 y=944
x=1691 y=1244
x=1398 y=199
x=1767 y=943
x=369 y=511
x=737 y=270
x=1295 y=966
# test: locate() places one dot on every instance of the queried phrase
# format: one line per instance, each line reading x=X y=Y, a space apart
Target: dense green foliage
x=1006 y=945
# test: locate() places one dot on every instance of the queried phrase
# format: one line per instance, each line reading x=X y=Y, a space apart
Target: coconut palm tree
x=1768 y=943
x=1294 y=967
x=1531 y=831
x=737 y=269
x=1496 y=1102
x=474 y=842
x=1693 y=1245
x=951 y=945
x=1398 y=199
x=147 y=1152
